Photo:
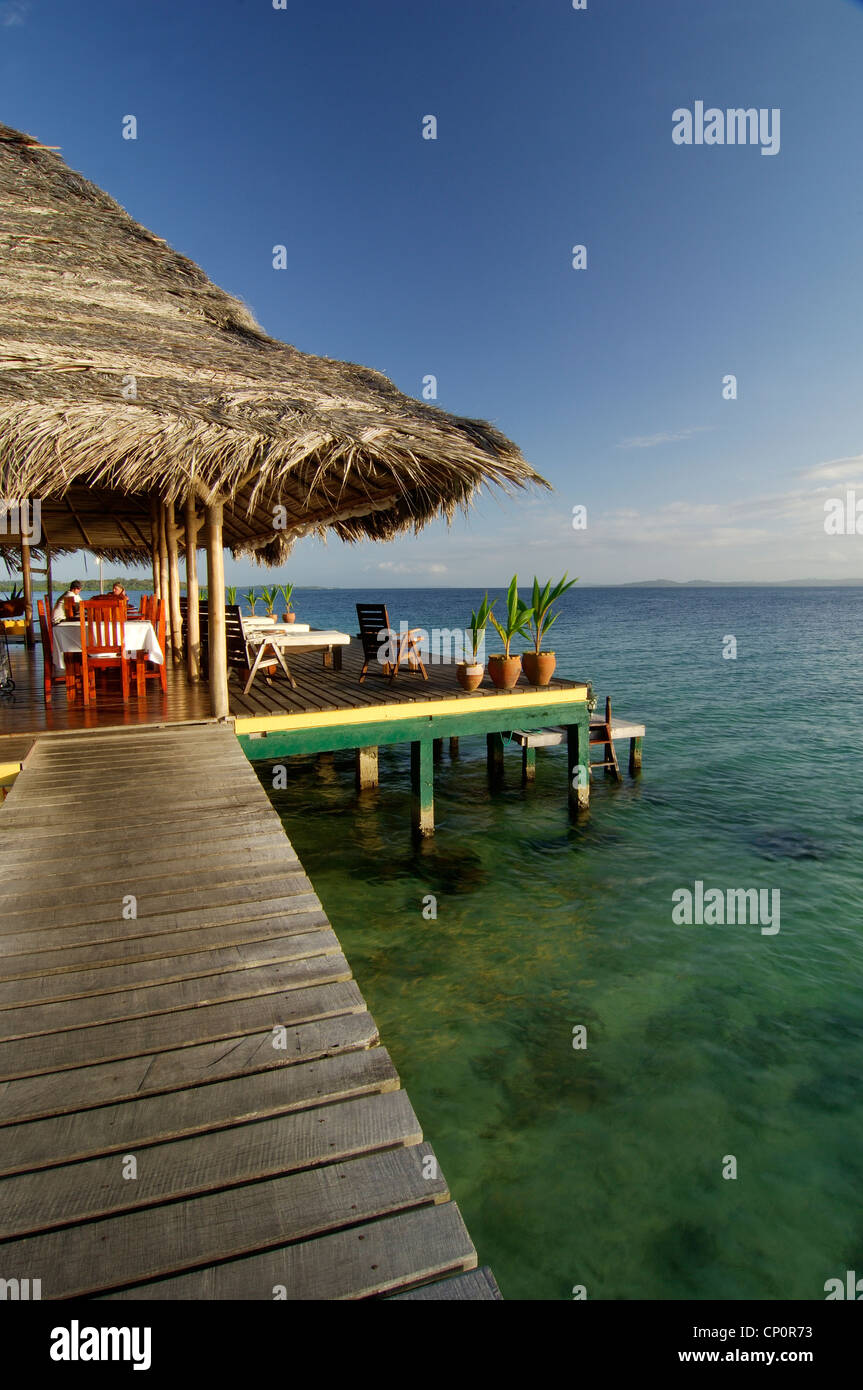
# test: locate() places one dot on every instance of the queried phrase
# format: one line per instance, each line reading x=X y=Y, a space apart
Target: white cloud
x=652 y=441
x=410 y=567
x=13 y=12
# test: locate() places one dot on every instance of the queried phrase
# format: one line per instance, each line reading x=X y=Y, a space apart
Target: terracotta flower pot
x=504 y=671
x=289 y=617
x=539 y=667
x=469 y=674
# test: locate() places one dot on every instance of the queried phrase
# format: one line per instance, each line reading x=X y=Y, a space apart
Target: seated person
x=69 y=600
x=117 y=595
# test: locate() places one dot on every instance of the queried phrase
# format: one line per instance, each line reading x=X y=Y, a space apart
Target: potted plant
x=505 y=669
x=268 y=597
x=539 y=665
x=470 y=672
x=13 y=605
x=251 y=600
x=286 y=591
x=232 y=594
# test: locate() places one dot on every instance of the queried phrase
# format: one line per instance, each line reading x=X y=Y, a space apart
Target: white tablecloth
x=139 y=637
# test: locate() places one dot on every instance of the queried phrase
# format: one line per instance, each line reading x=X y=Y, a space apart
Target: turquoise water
x=603 y=1166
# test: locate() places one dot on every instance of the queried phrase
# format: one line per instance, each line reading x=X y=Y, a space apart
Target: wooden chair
x=247 y=656
x=375 y=631
x=46 y=633
x=103 y=631
x=146 y=670
x=108 y=599
x=600 y=733
x=72 y=661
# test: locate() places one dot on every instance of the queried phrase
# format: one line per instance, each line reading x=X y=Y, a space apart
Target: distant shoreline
x=142 y=586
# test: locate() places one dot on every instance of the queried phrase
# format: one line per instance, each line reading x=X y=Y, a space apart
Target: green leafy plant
x=269 y=597
x=542 y=603
x=251 y=600
x=15 y=593
x=202 y=593
x=516 y=618
x=231 y=592
x=476 y=627
x=286 y=591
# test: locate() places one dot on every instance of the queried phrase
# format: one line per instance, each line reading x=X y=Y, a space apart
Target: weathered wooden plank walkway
x=194 y=1101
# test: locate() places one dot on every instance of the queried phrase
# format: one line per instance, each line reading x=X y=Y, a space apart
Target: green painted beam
x=284 y=743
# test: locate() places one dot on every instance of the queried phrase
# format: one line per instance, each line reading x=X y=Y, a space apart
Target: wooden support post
x=49 y=582
x=438 y=749
x=29 y=639
x=634 y=756
x=172 y=535
x=367 y=768
x=494 y=754
x=216 y=609
x=578 y=763
x=422 y=786
x=164 y=594
x=193 y=613
x=528 y=764
x=154 y=547
x=453 y=748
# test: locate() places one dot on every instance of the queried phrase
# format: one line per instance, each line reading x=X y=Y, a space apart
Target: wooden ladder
x=601 y=734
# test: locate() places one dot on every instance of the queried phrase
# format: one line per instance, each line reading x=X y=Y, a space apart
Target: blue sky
x=452 y=257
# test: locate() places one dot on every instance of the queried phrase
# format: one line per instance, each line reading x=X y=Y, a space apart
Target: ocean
x=609 y=1166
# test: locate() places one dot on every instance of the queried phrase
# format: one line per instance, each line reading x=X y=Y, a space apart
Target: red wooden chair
x=72 y=666
x=103 y=631
x=47 y=646
x=146 y=670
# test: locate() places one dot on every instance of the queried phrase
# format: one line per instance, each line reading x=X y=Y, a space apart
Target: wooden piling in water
x=578 y=765
x=367 y=768
x=635 y=748
x=494 y=754
x=422 y=786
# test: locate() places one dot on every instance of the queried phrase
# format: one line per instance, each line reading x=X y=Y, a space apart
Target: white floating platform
x=550 y=738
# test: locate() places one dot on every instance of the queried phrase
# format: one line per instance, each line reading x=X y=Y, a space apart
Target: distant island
x=731 y=584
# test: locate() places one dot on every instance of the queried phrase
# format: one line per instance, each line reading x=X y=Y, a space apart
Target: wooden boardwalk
x=194 y=1101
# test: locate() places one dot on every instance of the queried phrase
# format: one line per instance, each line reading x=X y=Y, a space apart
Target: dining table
x=139 y=636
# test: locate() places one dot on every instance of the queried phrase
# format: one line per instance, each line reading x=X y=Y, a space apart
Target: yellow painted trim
x=9 y=770
x=376 y=714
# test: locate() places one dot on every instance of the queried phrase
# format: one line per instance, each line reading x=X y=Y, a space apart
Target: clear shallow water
x=603 y=1167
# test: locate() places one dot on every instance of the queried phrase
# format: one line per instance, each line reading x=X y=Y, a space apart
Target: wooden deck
x=194 y=1101
x=318 y=689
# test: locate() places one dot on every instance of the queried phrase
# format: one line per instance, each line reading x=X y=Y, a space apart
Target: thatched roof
x=89 y=299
